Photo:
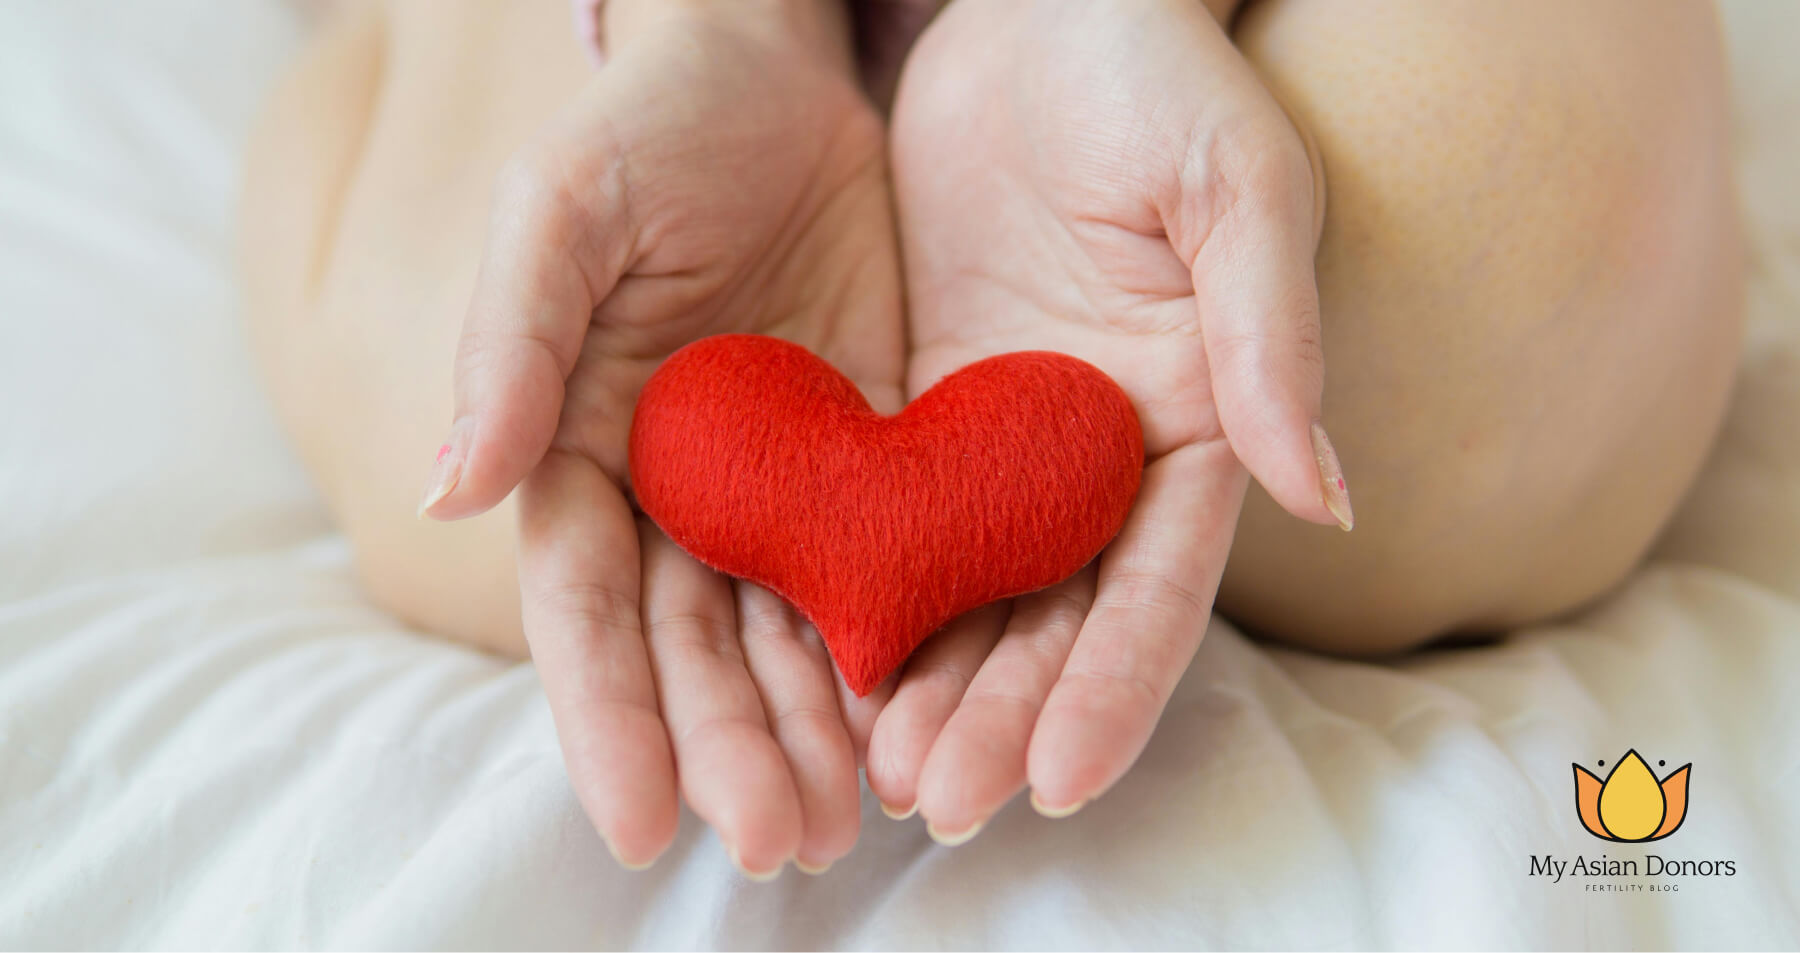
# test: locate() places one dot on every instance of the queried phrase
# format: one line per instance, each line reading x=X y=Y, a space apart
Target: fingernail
x=898 y=814
x=1331 y=478
x=759 y=876
x=1055 y=812
x=951 y=840
x=809 y=869
x=449 y=466
x=628 y=865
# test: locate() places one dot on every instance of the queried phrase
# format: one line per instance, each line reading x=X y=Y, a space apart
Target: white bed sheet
x=207 y=738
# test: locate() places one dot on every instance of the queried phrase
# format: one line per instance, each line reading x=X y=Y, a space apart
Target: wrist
x=1223 y=10
x=822 y=25
x=885 y=31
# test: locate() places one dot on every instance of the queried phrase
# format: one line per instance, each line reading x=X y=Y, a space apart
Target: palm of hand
x=1071 y=187
x=707 y=184
x=762 y=208
x=717 y=176
x=1081 y=148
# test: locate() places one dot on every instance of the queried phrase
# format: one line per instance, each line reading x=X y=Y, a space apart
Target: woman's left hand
x=1113 y=181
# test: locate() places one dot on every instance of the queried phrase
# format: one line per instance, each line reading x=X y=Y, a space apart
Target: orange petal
x=1675 y=789
x=1587 y=802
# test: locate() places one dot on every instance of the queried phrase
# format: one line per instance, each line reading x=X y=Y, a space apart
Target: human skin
x=366 y=213
x=1113 y=181
x=1236 y=378
x=1117 y=182
x=723 y=174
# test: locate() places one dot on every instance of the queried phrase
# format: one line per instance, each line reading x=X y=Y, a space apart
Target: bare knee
x=1529 y=283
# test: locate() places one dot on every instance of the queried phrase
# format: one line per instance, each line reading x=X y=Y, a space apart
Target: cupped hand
x=722 y=172
x=1110 y=180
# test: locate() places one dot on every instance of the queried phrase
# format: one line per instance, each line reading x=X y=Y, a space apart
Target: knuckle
x=1121 y=697
x=1286 y=344
x=937 y=675
x=704 y=635
x=591 y=607
x=1059 y=608
x=492 y=358
x=1161 y=622
x=1268 y=165
x=891 y=770
x=569 y=203
x=1172 y=606
x=478 y=350
x=770 y=618
x=550 y=190
x=1004 y=700
x=1045 y=627
x=534 y=206
x=529 y=179
x=815 y=721
x=1307 y=342
x=1294 y=329
x=730 y=729
x=1248 y=168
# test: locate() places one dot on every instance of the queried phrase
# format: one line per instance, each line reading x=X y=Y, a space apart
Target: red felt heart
x=764 y=462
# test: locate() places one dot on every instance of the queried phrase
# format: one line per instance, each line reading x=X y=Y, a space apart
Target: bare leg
x=1529 y=280
x=365 y=208
x=1530 y=291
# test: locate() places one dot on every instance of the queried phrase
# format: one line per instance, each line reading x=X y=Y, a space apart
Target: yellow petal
x=1631 y=802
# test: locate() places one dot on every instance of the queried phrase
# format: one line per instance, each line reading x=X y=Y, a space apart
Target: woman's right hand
x=722 y=173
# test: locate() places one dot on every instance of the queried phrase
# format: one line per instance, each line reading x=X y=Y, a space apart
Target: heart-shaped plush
x=764 y=462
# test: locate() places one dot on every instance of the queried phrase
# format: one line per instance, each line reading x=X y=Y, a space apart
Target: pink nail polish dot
x=446 y=449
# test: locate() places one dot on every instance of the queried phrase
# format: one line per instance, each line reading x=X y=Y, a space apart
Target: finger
x=926 y=694
x=1258 y=303
x=977 y=763
x=578 y=582
x=732 y=772
x=558 y=241
x=1151 y=606
x=794 y=676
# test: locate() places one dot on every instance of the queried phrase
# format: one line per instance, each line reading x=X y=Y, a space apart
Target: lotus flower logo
x=1631 y=805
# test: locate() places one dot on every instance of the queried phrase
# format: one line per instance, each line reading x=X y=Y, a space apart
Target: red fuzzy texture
x=764 y=462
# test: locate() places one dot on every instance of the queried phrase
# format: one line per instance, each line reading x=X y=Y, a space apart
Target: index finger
x=578 y=584
x=1151 y=606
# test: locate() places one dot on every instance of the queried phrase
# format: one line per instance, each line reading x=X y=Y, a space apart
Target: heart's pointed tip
x=858 y=648
x=862 y=673
x=862 y=678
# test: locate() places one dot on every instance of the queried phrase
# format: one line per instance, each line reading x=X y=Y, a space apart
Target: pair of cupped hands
x=1109 y=180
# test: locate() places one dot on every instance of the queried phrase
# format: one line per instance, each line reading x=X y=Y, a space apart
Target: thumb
x=1258 y=299
x=556 y=247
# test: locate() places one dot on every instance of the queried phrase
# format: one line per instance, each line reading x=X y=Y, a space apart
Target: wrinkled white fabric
x=207 y=737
